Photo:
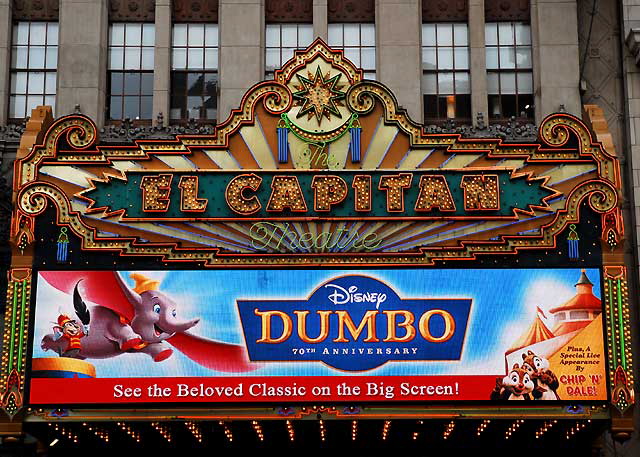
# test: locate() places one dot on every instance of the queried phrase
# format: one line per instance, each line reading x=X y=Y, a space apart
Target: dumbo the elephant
x=141 y=319
x=155 y=319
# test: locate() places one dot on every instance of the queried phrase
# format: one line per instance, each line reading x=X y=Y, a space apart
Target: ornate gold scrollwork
x=278 y=99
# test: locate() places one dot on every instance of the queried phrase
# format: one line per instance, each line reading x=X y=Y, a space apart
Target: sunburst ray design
x=384 y=146
x=320 y=95
x=396 y=236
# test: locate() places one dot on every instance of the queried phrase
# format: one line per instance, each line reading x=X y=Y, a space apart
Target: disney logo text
x=340 y=296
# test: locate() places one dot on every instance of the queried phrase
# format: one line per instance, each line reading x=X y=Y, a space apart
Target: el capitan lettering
x=308 y=195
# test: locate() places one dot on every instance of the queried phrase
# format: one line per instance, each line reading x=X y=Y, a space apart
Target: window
x=579 y=315
x=194 y=75
x=445 y=71
x=131 y=70
x=359 y=44
x=281 y=40
x=34 y=59
x=509 y=73
x=560 y=317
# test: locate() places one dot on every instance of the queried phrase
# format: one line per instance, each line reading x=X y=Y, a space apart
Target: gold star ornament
x=319 y=95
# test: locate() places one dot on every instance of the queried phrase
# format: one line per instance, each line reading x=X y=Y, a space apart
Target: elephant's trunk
x=176 y=326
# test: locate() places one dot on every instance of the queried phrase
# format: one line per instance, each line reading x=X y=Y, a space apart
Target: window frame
x=45 y=96
x=517 y=70
x=204 y=71
x=129 y=68
x=282 y=58
x=457 y=101
x=368 y=73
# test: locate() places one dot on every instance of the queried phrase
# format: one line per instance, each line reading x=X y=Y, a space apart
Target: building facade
x=491 y=57
x=149 y=69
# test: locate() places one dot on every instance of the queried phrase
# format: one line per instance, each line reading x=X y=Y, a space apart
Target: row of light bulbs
x=258 y=429
x=195 y=429
x=227 y=431
x=385 y=430
x=576 y=428
x=133 y=434
x=545 y=428
x=68 y=434
x=513 y=427
x=449 y=429
x=482 y=427
x=97 y=431
x=417 y=433
x=291 y=431
x=163 y=429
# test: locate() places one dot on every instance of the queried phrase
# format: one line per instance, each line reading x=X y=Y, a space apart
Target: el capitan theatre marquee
x=318 y=248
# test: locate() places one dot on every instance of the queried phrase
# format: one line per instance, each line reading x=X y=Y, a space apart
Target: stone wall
x=82 y=70
x=629 y=12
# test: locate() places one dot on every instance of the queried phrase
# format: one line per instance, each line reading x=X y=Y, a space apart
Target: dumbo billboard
x=286 y=336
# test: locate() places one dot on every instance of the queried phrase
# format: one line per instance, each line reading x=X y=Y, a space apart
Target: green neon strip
x=613 y=336
x=23 y=303
x=288 y=123
x=13 y=326
x=621 y=327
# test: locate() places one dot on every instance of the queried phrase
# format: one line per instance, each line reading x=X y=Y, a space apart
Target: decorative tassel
x=612 y=228
x=573 y=240
x=355 y=132
x=63 y=245
x=283 y=142
x=24 y=233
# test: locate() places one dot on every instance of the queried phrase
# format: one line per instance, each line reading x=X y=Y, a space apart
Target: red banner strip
x=282 y=389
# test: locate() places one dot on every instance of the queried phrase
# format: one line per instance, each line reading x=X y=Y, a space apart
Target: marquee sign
x=318 y=170
x=300 y=195
x=332 y=335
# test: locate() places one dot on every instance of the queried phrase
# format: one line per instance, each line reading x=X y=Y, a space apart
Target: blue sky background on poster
x=504 y=305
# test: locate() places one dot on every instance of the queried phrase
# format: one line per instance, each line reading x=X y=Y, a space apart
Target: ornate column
x=82 y=58
x=616 y=297
x=320 y=19
x=162 y=60
x=554 y=29
x=477 y=61
x=16 y=318
x=241 y=50
x=6 y=7
x=398 y=39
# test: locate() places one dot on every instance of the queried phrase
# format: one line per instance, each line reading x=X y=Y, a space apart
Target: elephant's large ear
x=104 y=288
x=132 y=296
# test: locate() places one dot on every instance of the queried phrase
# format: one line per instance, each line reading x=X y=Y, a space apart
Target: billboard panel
x=286 y=336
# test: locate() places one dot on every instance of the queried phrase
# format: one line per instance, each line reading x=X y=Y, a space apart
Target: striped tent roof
x=536 y=333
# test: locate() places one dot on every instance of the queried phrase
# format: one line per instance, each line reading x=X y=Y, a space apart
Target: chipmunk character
x=516 y=385
x=546 y=381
